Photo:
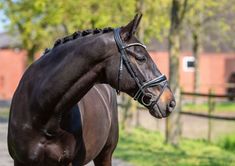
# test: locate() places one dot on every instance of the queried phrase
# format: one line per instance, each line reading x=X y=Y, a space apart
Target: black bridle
x=158 y=81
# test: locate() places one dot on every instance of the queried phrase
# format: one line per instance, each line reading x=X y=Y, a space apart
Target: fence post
x=211 y=107
x=137 y=122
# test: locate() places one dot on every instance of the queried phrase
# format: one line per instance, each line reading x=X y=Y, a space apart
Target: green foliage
x=210 y=16
x=39 y=22
x=142 y=147
x=227 y=143
x=155 y=22
x=203 y=107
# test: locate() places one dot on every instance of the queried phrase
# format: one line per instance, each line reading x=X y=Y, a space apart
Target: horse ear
x=129 y=30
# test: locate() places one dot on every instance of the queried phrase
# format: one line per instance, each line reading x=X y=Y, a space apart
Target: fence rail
x=211 y=105
x=207 y=95
x=208 y=116
x=211 y=108
x=5 y=103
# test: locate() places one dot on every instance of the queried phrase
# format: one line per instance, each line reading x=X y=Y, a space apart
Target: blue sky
x=1 y=21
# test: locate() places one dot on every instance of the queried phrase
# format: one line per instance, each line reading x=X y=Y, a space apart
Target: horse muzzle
x=163 y=105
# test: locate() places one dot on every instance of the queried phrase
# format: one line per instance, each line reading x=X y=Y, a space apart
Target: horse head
x=136 y=73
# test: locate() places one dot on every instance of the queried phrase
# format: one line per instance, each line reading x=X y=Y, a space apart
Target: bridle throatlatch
x=140 y=94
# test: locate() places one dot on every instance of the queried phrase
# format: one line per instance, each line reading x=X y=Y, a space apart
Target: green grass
x=227 y=142
x=145 y=148
x=203 y=107
x=4 y=112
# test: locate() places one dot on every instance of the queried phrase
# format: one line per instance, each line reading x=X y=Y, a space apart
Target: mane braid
x=79 y=34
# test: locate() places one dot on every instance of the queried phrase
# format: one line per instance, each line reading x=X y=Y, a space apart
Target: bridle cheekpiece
x=140 y=94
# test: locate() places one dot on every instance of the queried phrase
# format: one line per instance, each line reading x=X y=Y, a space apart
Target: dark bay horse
x=60 y=116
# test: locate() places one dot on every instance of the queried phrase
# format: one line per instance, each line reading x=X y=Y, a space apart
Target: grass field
x=203 y=107
x=145 y=148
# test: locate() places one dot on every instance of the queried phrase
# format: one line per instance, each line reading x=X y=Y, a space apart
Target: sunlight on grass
x=227 y=142
x=203 y=107
x=145 y=148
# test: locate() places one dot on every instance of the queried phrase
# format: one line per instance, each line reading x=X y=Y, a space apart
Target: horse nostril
x=171 y=105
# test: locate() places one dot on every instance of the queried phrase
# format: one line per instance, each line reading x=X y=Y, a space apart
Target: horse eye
x=141 y=58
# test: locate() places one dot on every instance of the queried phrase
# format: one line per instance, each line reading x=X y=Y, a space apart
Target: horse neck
x=71 y=78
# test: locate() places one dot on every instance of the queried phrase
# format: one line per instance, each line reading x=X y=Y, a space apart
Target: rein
x=140 y=94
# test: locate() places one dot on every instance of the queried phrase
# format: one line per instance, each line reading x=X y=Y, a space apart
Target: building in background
x=12 y=65
x=215 y=68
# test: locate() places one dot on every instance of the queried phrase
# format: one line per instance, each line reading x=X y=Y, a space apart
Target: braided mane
x=78 y=34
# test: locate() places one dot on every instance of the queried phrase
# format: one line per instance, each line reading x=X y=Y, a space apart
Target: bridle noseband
x=158 y=81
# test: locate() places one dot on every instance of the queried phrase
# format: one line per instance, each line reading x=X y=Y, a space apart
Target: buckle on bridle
x=148 y=95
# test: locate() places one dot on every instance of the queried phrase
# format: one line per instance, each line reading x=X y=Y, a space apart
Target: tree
x=202 y=16
x=39 y=22
x=33 y=20
x=178 y=11
x=198 y=17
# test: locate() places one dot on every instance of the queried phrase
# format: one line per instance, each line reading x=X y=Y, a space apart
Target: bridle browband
x=158 y=81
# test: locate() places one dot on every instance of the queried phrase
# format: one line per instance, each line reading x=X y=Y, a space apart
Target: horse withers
x=61 y=116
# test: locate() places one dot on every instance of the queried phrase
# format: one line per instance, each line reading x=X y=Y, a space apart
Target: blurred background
x=191 y=41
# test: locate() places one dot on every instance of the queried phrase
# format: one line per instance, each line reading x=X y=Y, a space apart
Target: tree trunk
x=140 y=9
x=172 y=122
x=140 y=35
x=196 y=53
x=31 y=55
x=196 y=48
